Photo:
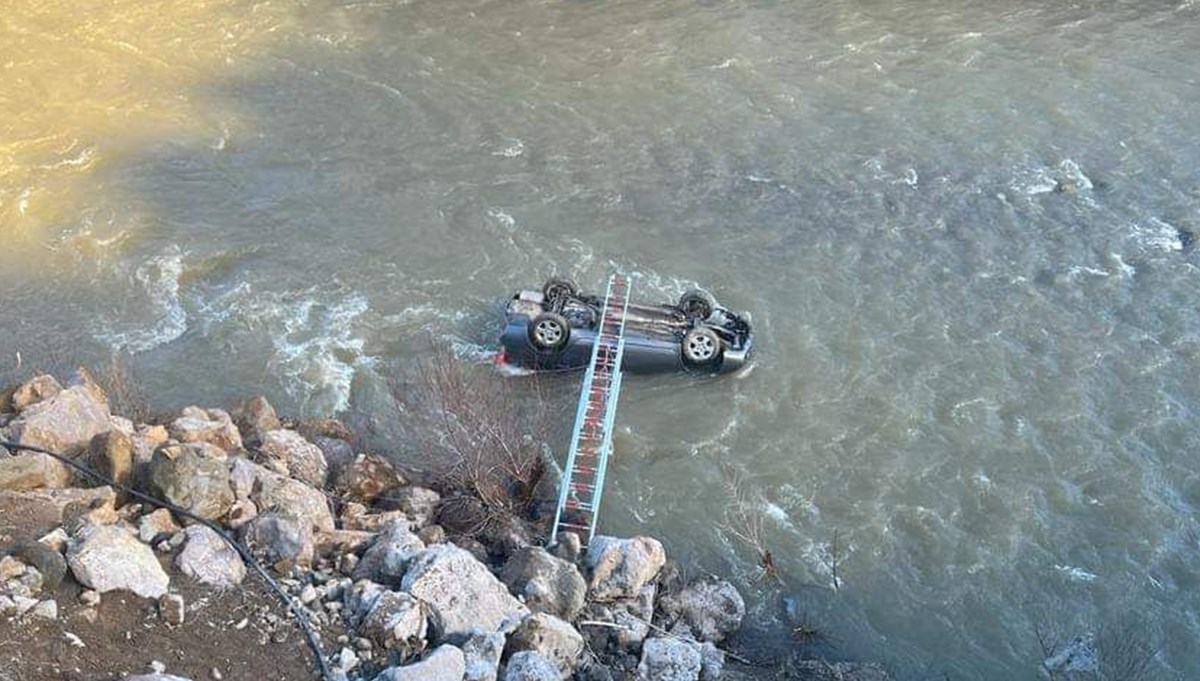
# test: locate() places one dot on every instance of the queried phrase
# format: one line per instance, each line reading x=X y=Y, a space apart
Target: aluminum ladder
x=591 y=441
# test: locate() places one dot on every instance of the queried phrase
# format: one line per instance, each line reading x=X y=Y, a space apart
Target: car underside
x=554 y=329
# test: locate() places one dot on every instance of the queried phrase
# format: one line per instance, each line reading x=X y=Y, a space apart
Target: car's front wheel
x=701 y=347
x=549 y=331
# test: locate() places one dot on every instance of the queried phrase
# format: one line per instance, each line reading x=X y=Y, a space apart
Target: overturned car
x=556 y=327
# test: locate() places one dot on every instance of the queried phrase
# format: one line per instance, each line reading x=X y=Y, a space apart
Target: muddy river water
x=964 y=231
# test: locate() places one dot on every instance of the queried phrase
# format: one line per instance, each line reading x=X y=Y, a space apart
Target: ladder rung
x=585 y=528
x=574 y=505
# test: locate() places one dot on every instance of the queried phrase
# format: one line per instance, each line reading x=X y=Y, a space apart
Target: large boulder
x=707 y=609
x=288 y=453
x=209 y=559
x=551 y=637
x=396 y=621
x=418 y=503
x=444 y=664
x=386 y=561
x=64 y=423
x=193 y=476
x=547 y=584
x=367 y=477
x=621 y=567
x=482 y=651
x=464 y=595
x=529 y=665
x=32 y=513
x=280 y=541
x=669 y=659
x=109 y=558
x=37 y=389
x=213 y=426
x=273 y=491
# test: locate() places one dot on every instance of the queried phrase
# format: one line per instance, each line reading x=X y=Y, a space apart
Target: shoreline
x=402 y=574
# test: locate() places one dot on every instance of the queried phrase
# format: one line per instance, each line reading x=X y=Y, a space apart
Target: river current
x=964 y=231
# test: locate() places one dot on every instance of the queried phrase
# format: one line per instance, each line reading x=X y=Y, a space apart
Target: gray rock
x=32 y=471
x=109 y=558
x=708 y=608
x=396 y=621
x=209 y=559
x=292 y=497
x=45 y=610
x=213 y=426
x=712 y=662
x=630 y=614
x=552 y=638
x=530 y=666
x=49 y=563
x=155 y=677
x=546 y=583
x=482 y=651
x=568 y=548
x=418 y=503
x=669 y=659
x=387 y=559
x=444 y=664
x=242 y=512
x=287 y=452
x=338 y=453
x=621 y=567
x=35 y=390
x=280 y=541
x=194 y=476
x=464 y=595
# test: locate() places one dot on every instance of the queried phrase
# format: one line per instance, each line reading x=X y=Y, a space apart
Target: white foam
x=159 y=278
x=1076 y=574
x=1157 y=235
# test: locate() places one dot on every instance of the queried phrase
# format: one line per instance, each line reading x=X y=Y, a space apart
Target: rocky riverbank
x=394 y=582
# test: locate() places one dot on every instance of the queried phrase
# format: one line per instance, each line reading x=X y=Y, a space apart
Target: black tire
x=549 y=332
x=558 y=289
x=697 y=304
x=701 y=347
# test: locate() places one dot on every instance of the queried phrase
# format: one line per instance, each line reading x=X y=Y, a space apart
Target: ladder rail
x=604 y=397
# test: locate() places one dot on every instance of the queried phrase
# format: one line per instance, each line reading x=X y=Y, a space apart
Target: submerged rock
x=109 y=559
x=621 y=567
x=465 y=596
x=818 y=670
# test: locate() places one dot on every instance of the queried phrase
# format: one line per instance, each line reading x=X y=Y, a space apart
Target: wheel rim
x=701 y=348
x=548 y=333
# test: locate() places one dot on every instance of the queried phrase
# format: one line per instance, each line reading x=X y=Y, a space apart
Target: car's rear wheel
x=697 y=304
x=558 y=289
x=549 y=331
x=701 y=347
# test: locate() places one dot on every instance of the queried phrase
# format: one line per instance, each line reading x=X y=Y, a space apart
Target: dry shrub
x=126 y=394
x=744 y=520
x=481 y=436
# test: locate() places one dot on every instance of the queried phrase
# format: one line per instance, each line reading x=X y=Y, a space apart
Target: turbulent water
x=964 y=231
